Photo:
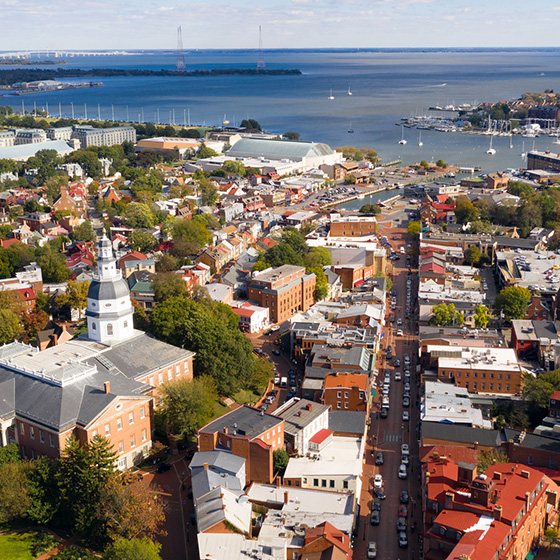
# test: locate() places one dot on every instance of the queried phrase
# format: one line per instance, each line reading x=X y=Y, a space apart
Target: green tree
x=142 y=241
x=190 y=231
x=280 y=461
x=133 y=549
x=292 y=135
x=424 y=164
x=441 y=163
x=320 y=254
x=10 y=327
x=169 y=285
x=350 y=179
x=83 y=232
x=513 y=301
x=465 y=210
x=75 y=296
x=472 y=255
x=9 y=454
x=205 y=152
x=414 y=228
x=482 y=316
x=370 y=209
x=490 y=457
x=14 y=494
x=445 y=315
x=53 y=265
x=139 y=215
x=251 y=123
x=88 y=161
x=551 y=535
x=233 y=167
x=44 y=491
x=187 y=405
x=537 y=389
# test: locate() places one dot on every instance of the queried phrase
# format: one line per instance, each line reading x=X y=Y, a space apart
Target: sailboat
x=402 y=141
x=420 y=143
x=510 y=141
x=491 y=151
x=349 y=92
x=331 y=96
x=557 y=141
x=523 y=154
x=350 y=130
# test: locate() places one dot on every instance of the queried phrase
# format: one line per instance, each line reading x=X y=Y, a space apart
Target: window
x=131 y=417
x=143 y=412
x=144 y=435
x=530 y=460
x=51 y=440
x=93 y=434
x=32 y=432
x=121 y=446
x=93 y=326
x=331 y=483
x=345 y=405
x=125 y=324
x=109 y=329
x=151 y=380
x=499 y=386
x=345 y=484
x=22 y=428
x=346 y=394
x=133 y=441
x=178 y=369
x=507 y=387
x=323 y=483
x=339 y=394
x=169 y=374
x=315 y=482
x=160 y=378
x=362 y=395
x=107 y=429
x=41 y=436
x=474 y=386
x=119 y=423
x=482 y=386
x=338 y=404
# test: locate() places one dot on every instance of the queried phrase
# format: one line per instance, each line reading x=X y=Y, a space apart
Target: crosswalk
x=393 y=437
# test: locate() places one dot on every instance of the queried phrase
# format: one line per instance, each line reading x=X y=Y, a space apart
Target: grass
x=244 y=396
x=17 y=546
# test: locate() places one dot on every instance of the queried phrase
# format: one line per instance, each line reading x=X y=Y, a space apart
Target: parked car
x=375 y=517
x=399 y=321
x=398 y=376
x=403 y=511
x=384 y=412
x=401 y=524
x=406 y=402
x=379 y=458
x=404 y=496
x=377 y=504
x=403 y=541
x=403 y=473
x=372 y=550
x=397 y=362
x=378 y=481
x=405 y=459
x=276 y=352
x=405 y=416
x=379 y=493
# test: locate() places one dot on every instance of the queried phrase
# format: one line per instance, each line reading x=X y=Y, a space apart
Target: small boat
x=420 y=143
x=557 y=141
x=491 y=151
x=331 y=96
x=402 y=141
x=523 y=153
x=349 y=92
x=350 y=130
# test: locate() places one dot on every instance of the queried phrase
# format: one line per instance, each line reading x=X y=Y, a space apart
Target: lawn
x=16 y=546
x=243 y=396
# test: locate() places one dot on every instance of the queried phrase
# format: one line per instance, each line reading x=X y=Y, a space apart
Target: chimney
x=286 y=497
x=525 y=474
x=497 y=475
x=527 y=498
x=205 y=466
x=427 y=477
x=225 y=430
x=309 y=406
x=107 y=387
x=224 y=506
x=498 y=513
x=449 y=499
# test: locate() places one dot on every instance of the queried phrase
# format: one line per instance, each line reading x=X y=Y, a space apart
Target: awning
x=530 y=556
x=358 y=282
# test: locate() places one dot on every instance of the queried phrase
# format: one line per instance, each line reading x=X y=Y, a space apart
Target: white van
x=284 y=382
x=385 y=402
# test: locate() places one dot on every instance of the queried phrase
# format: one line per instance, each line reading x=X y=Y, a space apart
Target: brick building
x=346 y=391
x=353 y=226
x=284 y=290
x=249 y=433
x=76 y=205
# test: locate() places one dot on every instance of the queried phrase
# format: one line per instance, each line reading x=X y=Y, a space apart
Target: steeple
x=109 y=310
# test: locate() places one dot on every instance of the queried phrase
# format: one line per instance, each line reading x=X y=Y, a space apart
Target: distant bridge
x=58 y=54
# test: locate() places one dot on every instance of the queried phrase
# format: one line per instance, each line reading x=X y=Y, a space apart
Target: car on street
x=377 y=504
x=404 y=496
x=264 y=406
x=403 y=511
x=407 y=359
x=379 y=458
x=405 y=416
x=384 y=412
x=378 y=481
x=397 y=362
x=269 y=399
x=403 y=473
x=403 y=541
x=274 y=328
x=379 y=492
x=400 y=332
x=372 y=550
x=405 y=459
x=407 y=387
x=401 y=524
x=405 y=450
x=406 y=402
x=398 y=376
x=399 y=321
x=276 y=352
x=375 y=517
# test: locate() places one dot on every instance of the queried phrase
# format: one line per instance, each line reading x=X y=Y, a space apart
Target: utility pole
x=260 y=61
x=180 y=64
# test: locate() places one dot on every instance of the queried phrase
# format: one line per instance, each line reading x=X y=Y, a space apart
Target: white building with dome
x=109 y=310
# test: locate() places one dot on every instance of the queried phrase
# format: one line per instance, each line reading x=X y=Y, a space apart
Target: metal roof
x=278 y=149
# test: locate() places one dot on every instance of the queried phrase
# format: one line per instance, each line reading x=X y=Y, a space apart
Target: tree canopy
x=513 y=301
x=445 y=315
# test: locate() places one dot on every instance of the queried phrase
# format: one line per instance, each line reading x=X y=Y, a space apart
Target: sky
x=145 y=24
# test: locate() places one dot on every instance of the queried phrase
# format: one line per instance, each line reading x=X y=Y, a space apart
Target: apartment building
x=90 y=136
x=353 y=226
x=346 y=391
x=284 y=290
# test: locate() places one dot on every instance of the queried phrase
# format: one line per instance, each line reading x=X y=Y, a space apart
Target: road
x=387 y=435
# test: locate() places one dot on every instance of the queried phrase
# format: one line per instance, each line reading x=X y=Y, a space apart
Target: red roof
x=432 y=267
x=454 y=452
x=242 y=312
x=321 y=436
x=555 y=396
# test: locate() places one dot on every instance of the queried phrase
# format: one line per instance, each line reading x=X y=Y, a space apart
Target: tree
x=513 y=301
x=9 y=454
x=205 y=152
x=445 y=315
x=537 y=390
x=75 y=296
x=141 y=241
x=250 y=123
x=482 y=316
x=190 y=231
x=133 y=549
x=490 y=457
x=472 y=255
x=424 y=164
x=187 y=405
x=551 y=535
x=414 y=228
x=88 y=161
x=139 y=215
x=381 y=274
x=169 y=285
x=83 y=232
x=44 y=491
x=292 y=135
x=280 y=461
x=441 y=163
x=14 y=495
x=465 y=210
x=53 y=265
x=10 y=327
x=350 y=179
x=130 y=510
x=370 y=209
